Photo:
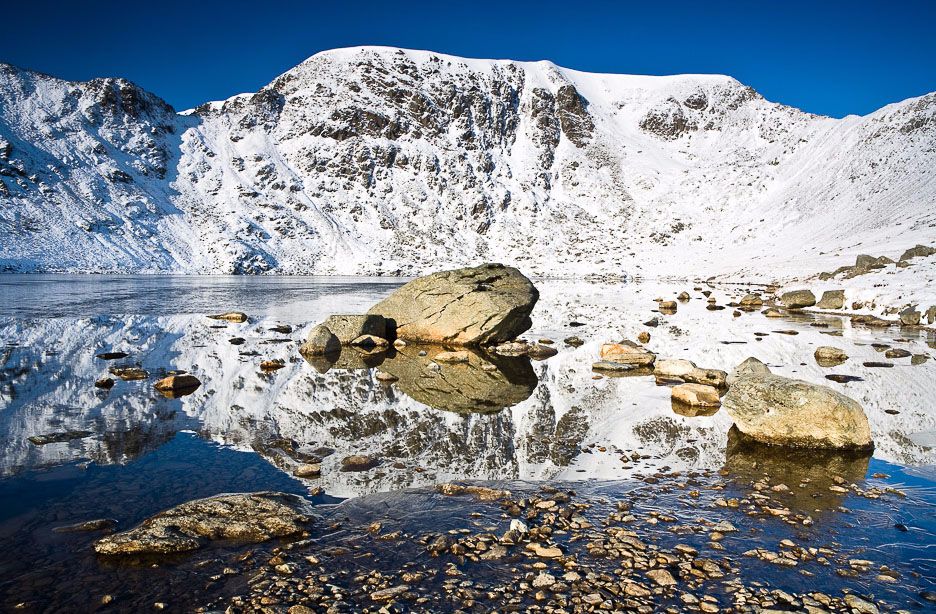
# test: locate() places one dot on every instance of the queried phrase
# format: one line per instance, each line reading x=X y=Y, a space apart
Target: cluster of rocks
x=555 y=550
x=767 y=408
x=865 y=264
x=478 y=306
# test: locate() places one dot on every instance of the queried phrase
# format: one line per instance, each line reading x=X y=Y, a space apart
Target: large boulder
x=248 y=517
x=783 y=411
x=482 y=305
x=796 y=299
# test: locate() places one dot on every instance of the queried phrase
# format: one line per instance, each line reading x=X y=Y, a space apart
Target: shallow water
x=132 y=452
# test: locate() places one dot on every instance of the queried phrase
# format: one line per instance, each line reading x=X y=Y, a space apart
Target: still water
x=71 y=452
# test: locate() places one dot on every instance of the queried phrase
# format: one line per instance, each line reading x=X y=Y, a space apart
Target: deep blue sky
x=833 y=58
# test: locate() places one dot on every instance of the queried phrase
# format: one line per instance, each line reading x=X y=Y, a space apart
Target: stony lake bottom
x=604 y=468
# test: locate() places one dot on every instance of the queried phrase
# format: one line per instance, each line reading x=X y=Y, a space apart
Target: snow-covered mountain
x=380 y=160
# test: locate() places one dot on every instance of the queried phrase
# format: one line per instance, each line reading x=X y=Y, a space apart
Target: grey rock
x=482 y=305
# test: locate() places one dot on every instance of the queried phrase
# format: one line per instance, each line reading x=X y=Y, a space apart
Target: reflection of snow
x=290 y=414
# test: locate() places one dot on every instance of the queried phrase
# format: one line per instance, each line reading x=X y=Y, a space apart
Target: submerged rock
x=245 y=517
x=482 y=383
x=482 y=305
x=897 y=353
x=772 y=312
x=796 y=299
x=812 y=471
x=832 y=299
x=105 y=383
x=88 y=526
x=783 y=411
x=111 y=355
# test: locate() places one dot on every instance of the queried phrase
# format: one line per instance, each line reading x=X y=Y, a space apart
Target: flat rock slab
x=482 y=305
x=244 y=517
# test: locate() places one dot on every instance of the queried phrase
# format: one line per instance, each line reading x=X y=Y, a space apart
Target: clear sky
x=833 y=58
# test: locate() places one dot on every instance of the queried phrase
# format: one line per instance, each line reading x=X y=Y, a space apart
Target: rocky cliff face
x=378 y=160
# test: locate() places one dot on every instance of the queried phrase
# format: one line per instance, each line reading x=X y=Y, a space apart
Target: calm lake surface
x=71 y=452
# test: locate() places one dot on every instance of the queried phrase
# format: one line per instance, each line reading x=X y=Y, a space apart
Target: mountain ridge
x=375 y=160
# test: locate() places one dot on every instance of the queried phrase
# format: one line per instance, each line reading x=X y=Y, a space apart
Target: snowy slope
x=379 y=160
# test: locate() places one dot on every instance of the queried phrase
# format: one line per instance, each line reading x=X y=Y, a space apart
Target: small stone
x=661 y=577
x=105 y=383
x=308 y=470
x=696 y=395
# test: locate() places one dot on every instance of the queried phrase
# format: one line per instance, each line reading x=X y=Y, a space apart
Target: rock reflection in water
x=817 y=480
x=485 y=383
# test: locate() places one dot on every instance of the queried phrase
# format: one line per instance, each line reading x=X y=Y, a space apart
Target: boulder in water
x=483 y=305
x=783 y=411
